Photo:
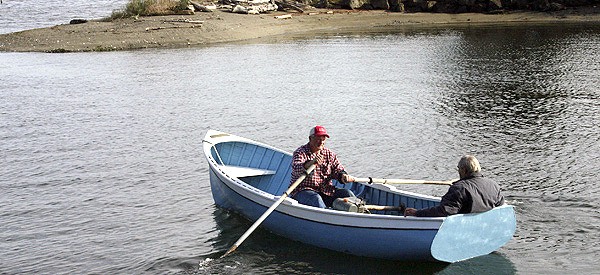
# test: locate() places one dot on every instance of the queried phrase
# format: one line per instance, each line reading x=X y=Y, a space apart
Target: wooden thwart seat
x=240 y=171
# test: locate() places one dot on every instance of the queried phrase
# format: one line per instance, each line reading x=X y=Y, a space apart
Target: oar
x=269 y=211
x=401 y=181
x=385 y=208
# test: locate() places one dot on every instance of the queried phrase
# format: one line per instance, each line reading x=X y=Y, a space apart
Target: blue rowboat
x=248 y=177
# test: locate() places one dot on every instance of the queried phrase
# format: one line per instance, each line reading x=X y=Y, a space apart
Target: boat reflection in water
x=274 y=253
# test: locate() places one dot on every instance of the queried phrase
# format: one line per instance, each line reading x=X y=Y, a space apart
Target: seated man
x=471 y=194
x=317 y=188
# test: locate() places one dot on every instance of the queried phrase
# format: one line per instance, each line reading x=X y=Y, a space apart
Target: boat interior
x=269 y=170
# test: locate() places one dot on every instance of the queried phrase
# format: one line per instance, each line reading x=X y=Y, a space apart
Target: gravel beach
x=208 y=28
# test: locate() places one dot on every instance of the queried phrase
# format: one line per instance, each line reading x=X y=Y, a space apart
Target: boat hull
x=370 y=241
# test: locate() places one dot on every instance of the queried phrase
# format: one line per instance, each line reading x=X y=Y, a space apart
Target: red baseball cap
x=318 y=131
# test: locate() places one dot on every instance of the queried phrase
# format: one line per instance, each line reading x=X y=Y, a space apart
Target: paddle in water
x=269 y=211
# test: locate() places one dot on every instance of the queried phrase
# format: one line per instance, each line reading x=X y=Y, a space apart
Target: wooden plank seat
x=241 y=172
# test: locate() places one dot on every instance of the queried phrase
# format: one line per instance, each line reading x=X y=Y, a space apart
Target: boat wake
x=204 y=264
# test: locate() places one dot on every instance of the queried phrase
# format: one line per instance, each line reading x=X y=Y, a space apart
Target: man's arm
x=299 y=158
x=451 y=204
x=338 y=170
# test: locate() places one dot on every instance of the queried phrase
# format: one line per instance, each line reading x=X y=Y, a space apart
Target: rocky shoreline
x=201 y=29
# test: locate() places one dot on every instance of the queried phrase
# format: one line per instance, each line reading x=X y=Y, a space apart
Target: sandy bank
x=224 y=27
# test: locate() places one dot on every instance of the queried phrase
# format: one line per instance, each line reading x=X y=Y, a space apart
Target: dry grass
x=150 y=7
x=162 y=7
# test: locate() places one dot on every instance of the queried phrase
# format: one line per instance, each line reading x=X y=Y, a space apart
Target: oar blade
x=465 y=236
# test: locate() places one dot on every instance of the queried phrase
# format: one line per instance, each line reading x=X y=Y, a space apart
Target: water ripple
x=102 y=170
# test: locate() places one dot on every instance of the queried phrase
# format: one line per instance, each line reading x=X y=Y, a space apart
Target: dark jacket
x=474 y=194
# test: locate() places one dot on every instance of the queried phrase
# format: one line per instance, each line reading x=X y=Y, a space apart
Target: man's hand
x=347 y=178
x=319 y=159
x=410 y=212
x=308 y=163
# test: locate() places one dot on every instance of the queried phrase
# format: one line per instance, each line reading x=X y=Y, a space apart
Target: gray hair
x=469 y=164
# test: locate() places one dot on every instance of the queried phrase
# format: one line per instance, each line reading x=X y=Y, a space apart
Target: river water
x=101 y=169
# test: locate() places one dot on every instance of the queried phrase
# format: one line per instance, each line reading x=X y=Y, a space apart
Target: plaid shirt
x=320 y=179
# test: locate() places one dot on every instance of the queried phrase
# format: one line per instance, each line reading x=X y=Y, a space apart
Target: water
x=19 y=15
x=101 y=168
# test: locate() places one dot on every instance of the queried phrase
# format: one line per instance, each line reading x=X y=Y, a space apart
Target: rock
x=380 y=4
x=78 y=21
x=556 y=6
x=357 y=4
x=294 y=5
x=244 y=7
x=430 y=5
x=239 y=9
x=495 y=4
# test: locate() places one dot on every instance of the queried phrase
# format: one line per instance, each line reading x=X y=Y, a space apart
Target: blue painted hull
x=385 y=243
x=247 y=177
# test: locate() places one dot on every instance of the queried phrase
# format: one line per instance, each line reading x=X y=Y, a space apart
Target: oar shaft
x=403 y=181
x=384 y=208
x=269 y=211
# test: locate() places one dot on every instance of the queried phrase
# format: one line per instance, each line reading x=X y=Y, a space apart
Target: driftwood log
x=184 y=21
x=199 y=7
x=285 y=16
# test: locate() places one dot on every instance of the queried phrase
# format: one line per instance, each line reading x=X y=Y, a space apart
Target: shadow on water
x=266 y=253
x=494 y=263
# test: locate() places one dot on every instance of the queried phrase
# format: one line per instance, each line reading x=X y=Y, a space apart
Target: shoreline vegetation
x=179 y=26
